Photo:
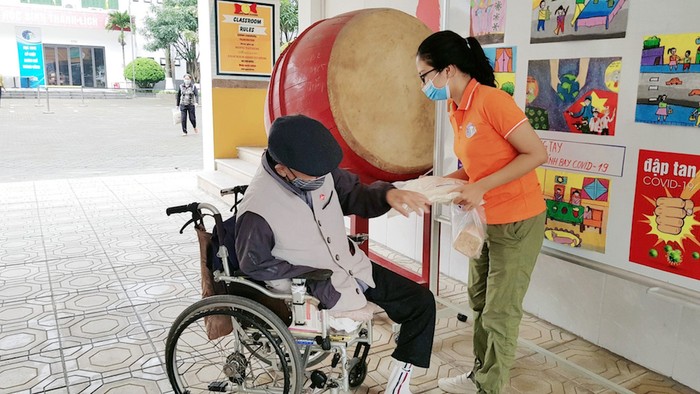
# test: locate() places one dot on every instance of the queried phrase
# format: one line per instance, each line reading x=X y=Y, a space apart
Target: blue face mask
x=436 y=94
x=308 y=186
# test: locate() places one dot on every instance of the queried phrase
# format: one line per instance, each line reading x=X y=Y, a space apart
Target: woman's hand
x=470 y=195
x=405 y=202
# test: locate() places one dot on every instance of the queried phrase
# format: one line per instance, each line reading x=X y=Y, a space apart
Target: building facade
x=65 y=42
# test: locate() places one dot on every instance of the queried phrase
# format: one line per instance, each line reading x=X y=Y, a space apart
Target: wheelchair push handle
x=193 y=207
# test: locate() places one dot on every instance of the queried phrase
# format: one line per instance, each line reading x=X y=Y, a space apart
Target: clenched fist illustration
x=671 y=212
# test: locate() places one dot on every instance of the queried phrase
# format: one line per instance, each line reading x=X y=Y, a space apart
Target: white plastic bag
x=177 y=116
x=437 y=189
x=468 y=230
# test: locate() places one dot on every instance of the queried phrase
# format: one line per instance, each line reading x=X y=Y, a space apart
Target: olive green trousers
x=498 y=281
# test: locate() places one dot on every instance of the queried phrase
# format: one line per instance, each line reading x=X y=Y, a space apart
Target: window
x=75 y=66
x=104 y=4
x=44 y=2
x=177 y=61
x=162 y=61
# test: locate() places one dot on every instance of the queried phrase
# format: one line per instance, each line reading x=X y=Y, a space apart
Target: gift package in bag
x=468 y=230
x=177 y=117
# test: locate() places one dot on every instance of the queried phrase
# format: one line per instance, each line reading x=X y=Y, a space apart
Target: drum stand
x=360 y=225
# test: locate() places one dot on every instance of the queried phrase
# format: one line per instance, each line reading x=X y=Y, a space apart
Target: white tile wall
x=567 y=295
x=686 y=366
x=639 y=325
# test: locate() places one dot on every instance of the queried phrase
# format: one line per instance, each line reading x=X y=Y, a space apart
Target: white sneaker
x=461 y=384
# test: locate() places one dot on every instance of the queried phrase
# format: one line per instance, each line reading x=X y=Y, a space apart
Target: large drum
x=356 y=74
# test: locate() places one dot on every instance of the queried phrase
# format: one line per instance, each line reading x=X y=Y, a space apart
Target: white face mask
x=188 y=81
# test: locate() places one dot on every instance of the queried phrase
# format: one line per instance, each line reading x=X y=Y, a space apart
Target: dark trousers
x=184 y=110
x=412 y=306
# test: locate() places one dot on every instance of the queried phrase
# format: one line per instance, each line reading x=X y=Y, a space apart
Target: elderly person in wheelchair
x=290 y=222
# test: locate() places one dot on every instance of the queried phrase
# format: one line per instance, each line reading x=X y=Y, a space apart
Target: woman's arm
x=459 y=174
x=531 y=154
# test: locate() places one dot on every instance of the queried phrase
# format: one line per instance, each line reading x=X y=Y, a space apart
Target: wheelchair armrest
x=319 y=274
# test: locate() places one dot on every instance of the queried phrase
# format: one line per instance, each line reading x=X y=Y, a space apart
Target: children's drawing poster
x=503 y=61
x=666 y=217
x=573 y=95
x=577 y=208
x=568 y=20
x=669 y=80
x=487 y=21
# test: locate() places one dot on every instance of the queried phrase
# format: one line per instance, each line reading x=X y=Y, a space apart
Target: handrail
x=672 y=291
x=62 y=86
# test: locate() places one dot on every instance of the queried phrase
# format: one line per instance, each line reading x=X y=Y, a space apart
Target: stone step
x=251 y=154
x=65 y=94
x=237 y=167
x=213 y=181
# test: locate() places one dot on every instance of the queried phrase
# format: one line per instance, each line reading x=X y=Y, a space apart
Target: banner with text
x=245 y=38
x=31 y=56
x=585 y=157
x=665 y=221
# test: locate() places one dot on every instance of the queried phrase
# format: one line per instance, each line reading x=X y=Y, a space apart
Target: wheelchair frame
x=255 y=326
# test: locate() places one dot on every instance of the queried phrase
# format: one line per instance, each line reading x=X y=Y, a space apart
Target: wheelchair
x=243 y=337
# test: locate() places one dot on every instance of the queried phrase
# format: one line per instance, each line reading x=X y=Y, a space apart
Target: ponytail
x=483 y=71
x=446 y=48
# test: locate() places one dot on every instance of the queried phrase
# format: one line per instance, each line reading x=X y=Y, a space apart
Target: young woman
x=499 y=151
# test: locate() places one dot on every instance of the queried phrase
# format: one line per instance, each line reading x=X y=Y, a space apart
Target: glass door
x=50 y=68
x=63 y=77
x=88 y=67
x=76 y=72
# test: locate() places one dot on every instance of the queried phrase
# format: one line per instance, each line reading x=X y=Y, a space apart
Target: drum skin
x=356 y=74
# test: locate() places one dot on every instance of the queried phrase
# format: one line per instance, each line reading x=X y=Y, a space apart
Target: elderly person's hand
x=405 y=202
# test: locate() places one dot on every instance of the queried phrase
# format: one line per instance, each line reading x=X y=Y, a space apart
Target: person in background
x=499 y=151
x=291 y=222
x=187 y=98
x=2 y=87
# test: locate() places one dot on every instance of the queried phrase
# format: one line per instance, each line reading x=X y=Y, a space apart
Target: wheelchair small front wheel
x=357 y=374
x=232 y=344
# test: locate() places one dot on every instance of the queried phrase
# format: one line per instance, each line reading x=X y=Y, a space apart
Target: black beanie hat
x=303 y=144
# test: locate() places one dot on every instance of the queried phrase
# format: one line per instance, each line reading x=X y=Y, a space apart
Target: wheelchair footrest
x=218 y=387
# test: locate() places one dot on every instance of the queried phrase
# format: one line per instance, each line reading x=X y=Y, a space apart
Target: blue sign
x=31 y=57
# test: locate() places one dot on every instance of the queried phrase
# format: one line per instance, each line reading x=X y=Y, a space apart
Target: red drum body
x=356 y=74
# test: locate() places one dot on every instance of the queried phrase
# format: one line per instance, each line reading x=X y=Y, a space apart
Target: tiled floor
x=92 y=274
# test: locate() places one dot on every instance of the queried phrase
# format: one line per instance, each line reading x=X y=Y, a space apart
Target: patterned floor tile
x=160 y=316
x=141 y=256
x=20 y=341
x=159 y=291
x=22 y=250
x=32 y=374
x=109 y=358
x=98 y=327
x=23 y=282
x=82 y=303
x=82 y=264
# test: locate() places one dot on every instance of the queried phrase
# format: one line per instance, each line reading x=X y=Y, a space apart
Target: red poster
x=666 y=218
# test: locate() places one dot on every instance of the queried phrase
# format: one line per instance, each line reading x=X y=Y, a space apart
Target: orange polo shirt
x=482 y=123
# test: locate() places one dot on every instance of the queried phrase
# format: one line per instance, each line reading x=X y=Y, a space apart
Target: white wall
x=654 y=328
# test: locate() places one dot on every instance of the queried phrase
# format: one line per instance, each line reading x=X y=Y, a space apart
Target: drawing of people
x=561 y=15
x=595 y=123
x=696 y=116
x=673 y=59
x=588 y=213
x=605 y=120
x=580 y=5
x=663 y=110
x=542 y=16
x=686 y=61
x=558 y=194
x=481 y=17
x=575 y=198
x=586 y=111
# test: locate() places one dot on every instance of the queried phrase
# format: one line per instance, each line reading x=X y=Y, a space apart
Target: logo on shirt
x=471 y=130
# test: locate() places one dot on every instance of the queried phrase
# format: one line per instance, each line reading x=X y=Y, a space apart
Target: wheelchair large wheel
x=258 y=354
